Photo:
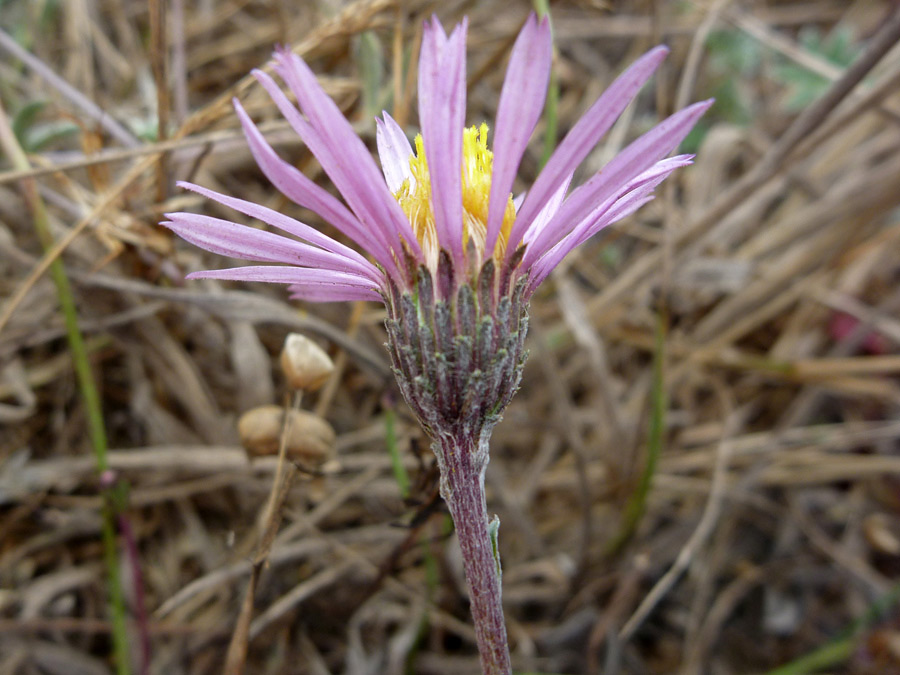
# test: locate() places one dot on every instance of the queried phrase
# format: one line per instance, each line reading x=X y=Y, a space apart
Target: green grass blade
x=551 y=107
x=637 y=503
x=86 y=385
x=390 y=440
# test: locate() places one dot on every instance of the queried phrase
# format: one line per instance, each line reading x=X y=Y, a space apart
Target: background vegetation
x=700 y=474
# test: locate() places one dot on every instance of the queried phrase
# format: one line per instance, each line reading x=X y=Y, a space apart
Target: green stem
x=551 y=106
x=658 y=404
x=86 y=385
x=390 y=439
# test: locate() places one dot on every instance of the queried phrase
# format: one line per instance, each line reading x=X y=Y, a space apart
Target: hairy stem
x=463 y=462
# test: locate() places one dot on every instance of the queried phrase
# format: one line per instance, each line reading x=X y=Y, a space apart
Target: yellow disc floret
x=415 y=199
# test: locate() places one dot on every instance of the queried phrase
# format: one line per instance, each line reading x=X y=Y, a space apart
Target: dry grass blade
x=771 y=526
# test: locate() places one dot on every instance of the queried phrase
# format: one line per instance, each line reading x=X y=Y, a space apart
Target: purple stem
x=140 y=608
x=462 y=463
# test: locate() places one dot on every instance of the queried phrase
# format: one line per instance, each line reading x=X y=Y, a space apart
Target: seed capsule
x=306 y=365
x=309 y=439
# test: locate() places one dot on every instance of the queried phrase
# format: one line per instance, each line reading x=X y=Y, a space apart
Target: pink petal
x=239 y=241
x=361 y=178
x=583 y=137
x=442 y=107
x=628 y=164
x=635 y=195
x=275 y=274
x=297 y=187
x=438 y=35
x=640 y=192
x=638 y=189
x=394 y=151
x=380 y=240
x=521 y=104
x=286 y=224
x=542 y=268
x=332 y=293
x=548 y=211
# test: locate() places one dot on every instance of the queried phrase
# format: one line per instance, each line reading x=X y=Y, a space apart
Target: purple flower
x=449 y=199
x=454 y=257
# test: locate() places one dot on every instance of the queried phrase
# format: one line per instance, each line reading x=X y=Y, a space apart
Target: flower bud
x=458 y=356
x=309 y=439
x=305 y=364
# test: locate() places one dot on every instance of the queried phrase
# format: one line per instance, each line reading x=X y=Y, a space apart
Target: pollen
x=414 y=196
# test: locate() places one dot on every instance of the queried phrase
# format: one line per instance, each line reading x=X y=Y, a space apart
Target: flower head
x=451 y=254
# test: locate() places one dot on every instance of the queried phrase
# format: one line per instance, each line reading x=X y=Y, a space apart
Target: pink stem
x=140 y=608
x=462 y=463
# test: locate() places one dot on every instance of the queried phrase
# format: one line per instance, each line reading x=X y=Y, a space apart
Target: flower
x=454 y=257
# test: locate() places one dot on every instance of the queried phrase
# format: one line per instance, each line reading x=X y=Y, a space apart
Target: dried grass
x=773 y=521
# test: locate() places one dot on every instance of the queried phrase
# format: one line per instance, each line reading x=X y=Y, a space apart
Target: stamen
x=477 y=164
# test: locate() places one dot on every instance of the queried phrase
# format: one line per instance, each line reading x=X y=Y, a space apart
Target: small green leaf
x=804 y=86
x=44 y=135
x=26 y=117
x=494 y=532
x=733 y=52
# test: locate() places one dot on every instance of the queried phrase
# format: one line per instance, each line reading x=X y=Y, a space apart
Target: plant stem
x=140 y=606
x=390 y=440
x=637 y=502
x=462 y=463
x=551 y=106
x=91 y=397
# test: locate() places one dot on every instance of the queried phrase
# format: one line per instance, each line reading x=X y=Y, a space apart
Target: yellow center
x=415 y=199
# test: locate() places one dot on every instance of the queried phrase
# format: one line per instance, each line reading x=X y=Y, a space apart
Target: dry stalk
x=285 y=474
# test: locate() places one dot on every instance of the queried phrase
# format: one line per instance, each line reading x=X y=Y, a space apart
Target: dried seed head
x=310 y=439
x=304 y=363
